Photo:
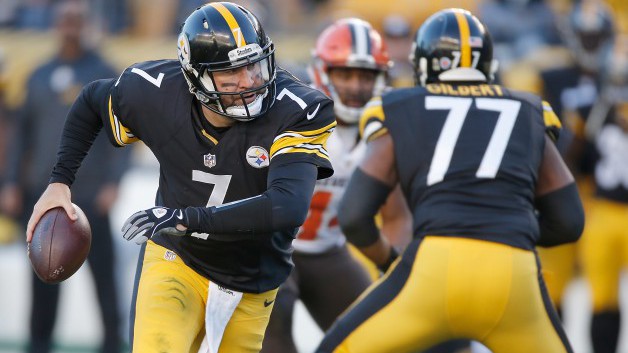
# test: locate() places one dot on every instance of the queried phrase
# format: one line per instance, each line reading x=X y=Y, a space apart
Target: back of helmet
x=452 y=45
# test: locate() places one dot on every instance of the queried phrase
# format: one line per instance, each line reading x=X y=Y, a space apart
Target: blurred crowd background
x=533 y=39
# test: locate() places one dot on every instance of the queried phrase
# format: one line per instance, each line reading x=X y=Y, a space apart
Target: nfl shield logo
x=209 y=160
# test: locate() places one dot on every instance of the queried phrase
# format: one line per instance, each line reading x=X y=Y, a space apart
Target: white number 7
x=149 y=78
x=458 y=109
x=221 y=184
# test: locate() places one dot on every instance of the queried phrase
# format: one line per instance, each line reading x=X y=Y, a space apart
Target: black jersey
x=204 y=167
x=467 y=157
x=569 y=90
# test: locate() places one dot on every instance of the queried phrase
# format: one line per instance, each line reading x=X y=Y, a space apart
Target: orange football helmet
x=348 y=43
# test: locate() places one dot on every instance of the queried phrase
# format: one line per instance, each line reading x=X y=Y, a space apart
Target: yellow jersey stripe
x=374 y=130
x=122 y=135
x=377 y=134
x=296 y=141
x=465 y=47
x=328 y=128
x=549 y=117
x=372 y=110
x=209 y=137
x=231 y=21
x=317 y=152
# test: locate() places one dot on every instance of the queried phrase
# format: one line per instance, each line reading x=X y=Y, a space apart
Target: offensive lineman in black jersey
x=474 y=162
x=239 y=158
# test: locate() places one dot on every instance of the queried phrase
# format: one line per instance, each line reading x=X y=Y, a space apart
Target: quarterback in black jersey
x=485 y=184
x=240 y=144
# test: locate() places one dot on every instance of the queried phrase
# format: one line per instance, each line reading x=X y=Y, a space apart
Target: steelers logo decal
x=257 y=157
x=183 y=50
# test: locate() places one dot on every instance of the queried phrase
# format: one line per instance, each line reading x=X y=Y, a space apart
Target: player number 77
x=458 y=110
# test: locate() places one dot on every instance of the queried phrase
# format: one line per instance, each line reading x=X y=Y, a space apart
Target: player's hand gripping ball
x=59 y=245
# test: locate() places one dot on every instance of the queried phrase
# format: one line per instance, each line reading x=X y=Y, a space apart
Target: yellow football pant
x=450 y=288
x=169 y=309
x=604 y=251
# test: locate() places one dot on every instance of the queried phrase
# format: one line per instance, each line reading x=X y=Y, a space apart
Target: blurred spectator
x=153 y=18
x=261 y=9
x=51 y=90
x=8 y=228
x=518 y=27
x=8 y=10
x=35 y=14
x=4 y=116
x=398 y=36
x=112 y=15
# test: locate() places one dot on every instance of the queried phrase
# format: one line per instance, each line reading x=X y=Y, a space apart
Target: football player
x=240 y=144
x=475 y=161
x=605 y=239
x=349 y=65
x=587 y=30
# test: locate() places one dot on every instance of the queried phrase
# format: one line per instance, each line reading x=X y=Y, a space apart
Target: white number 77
x=458 y=109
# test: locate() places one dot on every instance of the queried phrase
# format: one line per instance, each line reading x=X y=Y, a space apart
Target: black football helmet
x=589 y=32
x=452 y=45
x=222 y=36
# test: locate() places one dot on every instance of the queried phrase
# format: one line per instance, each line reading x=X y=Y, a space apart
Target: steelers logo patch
x=257 y=157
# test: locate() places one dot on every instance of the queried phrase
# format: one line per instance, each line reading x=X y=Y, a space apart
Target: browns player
x=480 y=165
x=350 y=64
x=240 y=145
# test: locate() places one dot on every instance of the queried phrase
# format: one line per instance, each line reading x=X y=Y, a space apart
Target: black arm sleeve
x=360 y=203
x=283 y=205
x=79 y=132
x=561 y=216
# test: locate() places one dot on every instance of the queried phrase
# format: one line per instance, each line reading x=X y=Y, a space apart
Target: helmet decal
x=236 y=31
x=183 y=50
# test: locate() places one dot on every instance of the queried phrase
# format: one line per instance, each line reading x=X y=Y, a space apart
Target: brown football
x=59 y=245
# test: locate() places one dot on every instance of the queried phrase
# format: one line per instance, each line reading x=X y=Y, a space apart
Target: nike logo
x=311 y=115
x=267 y=303
x=180 y=215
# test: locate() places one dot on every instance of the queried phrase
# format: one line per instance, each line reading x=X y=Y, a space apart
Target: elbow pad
x=358 y=207
x=561 y=216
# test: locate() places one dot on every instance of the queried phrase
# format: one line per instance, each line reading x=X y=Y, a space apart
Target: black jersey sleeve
x=307 y=121
x=146 y=103
x=80 y=130
x=283 y=206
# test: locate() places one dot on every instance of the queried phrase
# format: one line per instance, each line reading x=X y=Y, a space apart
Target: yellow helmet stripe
x=465 y=47
x=231 y=21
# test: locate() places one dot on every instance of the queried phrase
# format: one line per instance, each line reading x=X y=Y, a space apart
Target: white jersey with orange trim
x=320 y=231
